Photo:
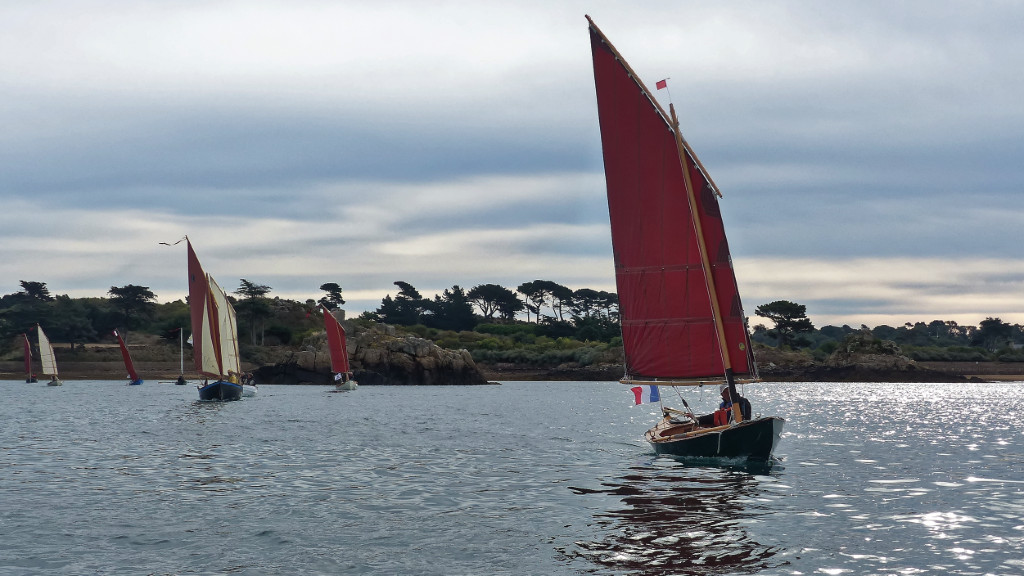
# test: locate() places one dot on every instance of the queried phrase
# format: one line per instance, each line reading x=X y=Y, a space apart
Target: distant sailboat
x=338 y=346
x=214 y=334
x=181 y=357
x=680 y=312
x=133 y=377
x=29 y=375
x=47 y=358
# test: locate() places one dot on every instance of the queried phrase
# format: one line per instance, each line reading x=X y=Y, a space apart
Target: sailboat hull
x=753 y=440
x=220 y=391
x=55 y=382
x=136 y=382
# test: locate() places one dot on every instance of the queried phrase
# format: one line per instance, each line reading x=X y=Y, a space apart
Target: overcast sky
x=871 y=153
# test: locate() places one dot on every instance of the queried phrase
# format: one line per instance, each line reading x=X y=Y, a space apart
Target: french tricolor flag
x=646 y=394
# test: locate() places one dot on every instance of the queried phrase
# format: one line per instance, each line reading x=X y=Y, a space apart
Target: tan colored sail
x=228 y=327
x=46 y=354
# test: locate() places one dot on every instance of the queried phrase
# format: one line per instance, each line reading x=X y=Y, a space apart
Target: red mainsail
x=206 y=344
x=128 y=364
x=336 y=342
x=28 y=357
x=669 y=329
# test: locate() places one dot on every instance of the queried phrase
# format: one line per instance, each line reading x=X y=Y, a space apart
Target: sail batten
x=665 y=219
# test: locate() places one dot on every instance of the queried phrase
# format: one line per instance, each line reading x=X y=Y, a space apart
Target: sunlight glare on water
x=522 y=478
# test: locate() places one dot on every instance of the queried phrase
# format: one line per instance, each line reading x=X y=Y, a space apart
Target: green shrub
x=506 y=329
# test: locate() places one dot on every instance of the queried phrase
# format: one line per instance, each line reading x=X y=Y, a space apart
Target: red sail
x=336 y=342
x=128 y=364
x=668 y=324
x=28 y=357
x=198 y=300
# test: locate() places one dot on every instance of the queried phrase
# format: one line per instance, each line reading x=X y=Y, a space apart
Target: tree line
x=134 y=308
x=584 y=313
x=553 y=309
x=938 y=340
x=539 y=313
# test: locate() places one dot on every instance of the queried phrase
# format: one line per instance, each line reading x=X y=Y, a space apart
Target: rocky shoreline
x=381 y=357
x=296 y=374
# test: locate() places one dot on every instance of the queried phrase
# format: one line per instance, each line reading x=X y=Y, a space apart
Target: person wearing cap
x=726 y=404
x=723 y=415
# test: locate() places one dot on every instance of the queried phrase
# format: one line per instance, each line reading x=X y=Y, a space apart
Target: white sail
x=46 y=354
x=208 y=354
x=228 y=327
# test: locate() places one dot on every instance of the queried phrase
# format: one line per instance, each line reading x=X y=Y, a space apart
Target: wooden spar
x=629 y=381
x=706 y=262
x=647 y=92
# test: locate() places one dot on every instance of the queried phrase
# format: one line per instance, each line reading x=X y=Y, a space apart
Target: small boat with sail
x=48 y=358
x=680 y=313
x=181 y=381
x=338 y=347
x=214 y=334
x=30 y=376
x=133 y=377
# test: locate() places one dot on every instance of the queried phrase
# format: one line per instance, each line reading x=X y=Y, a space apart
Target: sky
x=871 y=154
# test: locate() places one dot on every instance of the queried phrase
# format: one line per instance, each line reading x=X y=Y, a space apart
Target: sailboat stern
x=753 y=440
x=220 y=391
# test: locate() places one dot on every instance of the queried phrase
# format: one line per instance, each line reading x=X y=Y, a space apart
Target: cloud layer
x=869 y=153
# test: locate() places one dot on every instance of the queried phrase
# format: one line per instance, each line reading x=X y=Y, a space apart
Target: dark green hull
x=753 y=440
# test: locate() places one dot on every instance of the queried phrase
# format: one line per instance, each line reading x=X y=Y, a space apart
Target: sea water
x=518 y=478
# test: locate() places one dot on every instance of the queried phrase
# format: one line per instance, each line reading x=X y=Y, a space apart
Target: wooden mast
x=709 y=276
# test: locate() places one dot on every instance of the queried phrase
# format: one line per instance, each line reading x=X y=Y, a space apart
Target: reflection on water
x=515 y=479
x=676 y=519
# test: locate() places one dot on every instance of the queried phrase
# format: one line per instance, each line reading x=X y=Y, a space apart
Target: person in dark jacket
x=724 y=412
x=727 y=403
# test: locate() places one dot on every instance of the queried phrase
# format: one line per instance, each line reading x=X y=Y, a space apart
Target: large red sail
x=128 y=364
x=336 y=342
x=668 y=321
x=202 y=320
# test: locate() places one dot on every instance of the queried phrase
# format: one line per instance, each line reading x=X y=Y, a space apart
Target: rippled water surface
x=521 y=478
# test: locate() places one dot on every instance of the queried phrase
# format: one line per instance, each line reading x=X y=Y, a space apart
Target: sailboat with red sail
x=133 y=377
x=29 y=375
x=337 y=345
x=680 y=312
x=214 y=334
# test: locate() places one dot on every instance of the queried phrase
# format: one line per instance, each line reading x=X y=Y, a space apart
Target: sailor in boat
x=723 y=415
x=248 y=379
